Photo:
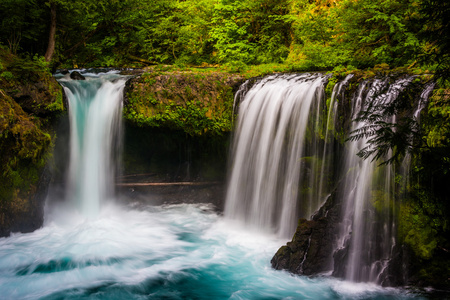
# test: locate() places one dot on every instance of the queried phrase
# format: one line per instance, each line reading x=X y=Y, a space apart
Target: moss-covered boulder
x=195 y=102
x=30 y=98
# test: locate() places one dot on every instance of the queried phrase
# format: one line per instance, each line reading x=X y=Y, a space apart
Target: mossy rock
x=31 y=85
x=197 y=103
x=24 y=149
x=30 y=100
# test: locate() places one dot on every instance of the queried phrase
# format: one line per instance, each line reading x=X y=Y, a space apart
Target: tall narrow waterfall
x=274 y=151
x=368 y=228
x=95 y=107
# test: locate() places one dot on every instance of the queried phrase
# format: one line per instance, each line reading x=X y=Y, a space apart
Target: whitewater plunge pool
x=182 y=251
x=90 y=247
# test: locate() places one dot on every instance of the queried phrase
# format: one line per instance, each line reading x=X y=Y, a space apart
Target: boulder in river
x=75 y=75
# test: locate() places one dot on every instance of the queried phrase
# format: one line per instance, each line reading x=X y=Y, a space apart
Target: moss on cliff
x=197 y=103
x=29 y=99
x=423 y=227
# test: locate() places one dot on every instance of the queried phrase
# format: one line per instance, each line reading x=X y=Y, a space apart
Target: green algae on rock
x=30 y=98
x=197 y=103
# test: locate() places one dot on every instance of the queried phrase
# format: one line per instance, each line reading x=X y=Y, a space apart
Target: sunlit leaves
x=251 y=31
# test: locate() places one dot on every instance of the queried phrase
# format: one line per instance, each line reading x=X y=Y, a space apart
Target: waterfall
x=328 y=157
x=406 y=163
x=95 y=108
x=274 y=152
x=368 y=227
x=288 y=156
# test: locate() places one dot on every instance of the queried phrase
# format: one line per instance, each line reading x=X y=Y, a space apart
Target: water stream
x=92 y=247
x=284 y=165
x=273 y=149
x=165 y=252
x=368 y=228
x=95 y=112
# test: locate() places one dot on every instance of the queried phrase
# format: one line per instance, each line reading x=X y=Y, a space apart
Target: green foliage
x=195 y=103
x=40 y=63
x=361 y=33
x=251 y=31
x=390 y=140
x=433 y=166
x=57 y=105
x=315 y=28
x=422 y=224
x=249 y=71
x=22 y=31
x=236 y=67
x=23 y=148
x=438 y=120
x=307 y=35
x=25 y=141
x=7 y=75
x=380 y=31
x=434 y=16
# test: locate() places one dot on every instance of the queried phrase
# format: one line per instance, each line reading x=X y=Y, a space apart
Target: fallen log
x=187 y=183
x=137 y=175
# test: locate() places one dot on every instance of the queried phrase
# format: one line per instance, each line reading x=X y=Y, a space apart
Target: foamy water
x=167 y=252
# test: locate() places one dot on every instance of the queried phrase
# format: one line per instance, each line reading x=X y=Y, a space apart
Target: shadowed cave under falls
x=287 y=157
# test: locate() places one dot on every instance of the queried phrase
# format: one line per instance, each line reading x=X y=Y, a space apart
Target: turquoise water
x=92 y=249
x=167 y=252
x=95 y=111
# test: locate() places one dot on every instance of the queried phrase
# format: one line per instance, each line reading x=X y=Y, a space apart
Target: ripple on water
x=166 y=252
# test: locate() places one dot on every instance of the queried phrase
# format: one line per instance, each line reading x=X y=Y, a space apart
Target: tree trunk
x=51 y=37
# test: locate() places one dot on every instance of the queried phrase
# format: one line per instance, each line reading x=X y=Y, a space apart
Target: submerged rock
x=75 y=75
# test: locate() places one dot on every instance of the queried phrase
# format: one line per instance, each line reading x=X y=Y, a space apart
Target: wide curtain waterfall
x=95 y=112
x=288 y=156
x=274 y=146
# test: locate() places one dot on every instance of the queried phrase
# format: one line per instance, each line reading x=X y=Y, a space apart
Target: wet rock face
x=30 y=102
x=294 y=256
x=31 y=216
x=41 y=98
x=75 y=75
x=311 y=250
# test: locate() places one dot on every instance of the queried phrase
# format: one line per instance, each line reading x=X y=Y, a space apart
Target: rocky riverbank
x=30 y=102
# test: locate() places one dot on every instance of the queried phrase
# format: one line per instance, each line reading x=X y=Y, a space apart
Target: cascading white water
x=277 y=120
x=95 y=108
x=366 y=185
x=284 y=166
x=328 y=159
x=184 y=251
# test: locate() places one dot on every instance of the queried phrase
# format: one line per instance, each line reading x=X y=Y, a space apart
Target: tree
x=251 y=31
x=380 y=31
x=435 y=17
x=52 y=33
x=317 y=35
x=22 y=32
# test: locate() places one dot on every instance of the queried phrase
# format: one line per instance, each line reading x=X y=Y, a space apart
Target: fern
x=388 y=126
